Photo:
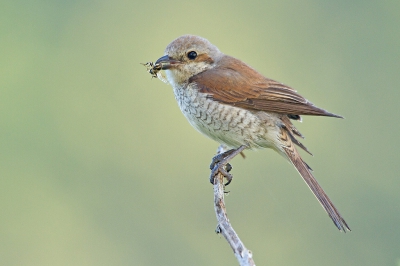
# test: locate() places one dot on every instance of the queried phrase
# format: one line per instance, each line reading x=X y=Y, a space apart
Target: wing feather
x=233 y=82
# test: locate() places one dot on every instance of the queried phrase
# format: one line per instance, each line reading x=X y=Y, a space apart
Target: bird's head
x=187 y=56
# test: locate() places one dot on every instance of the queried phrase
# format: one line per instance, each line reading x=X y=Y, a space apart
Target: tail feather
x=291 y=131
x=305 y=171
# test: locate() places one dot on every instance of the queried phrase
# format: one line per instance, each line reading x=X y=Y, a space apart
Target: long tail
x=305 y=171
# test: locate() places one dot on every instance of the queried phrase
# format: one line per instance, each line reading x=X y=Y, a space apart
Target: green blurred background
x=99 y=167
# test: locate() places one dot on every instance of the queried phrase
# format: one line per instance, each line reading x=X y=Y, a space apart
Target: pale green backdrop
x=99 y=167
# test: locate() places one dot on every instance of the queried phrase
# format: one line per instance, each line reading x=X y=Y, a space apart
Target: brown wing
x=233 y=82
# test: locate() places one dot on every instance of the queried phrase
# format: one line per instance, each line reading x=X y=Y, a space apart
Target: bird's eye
x=192 y=55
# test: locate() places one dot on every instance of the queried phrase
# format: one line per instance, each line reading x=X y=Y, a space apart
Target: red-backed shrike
x=233 y=104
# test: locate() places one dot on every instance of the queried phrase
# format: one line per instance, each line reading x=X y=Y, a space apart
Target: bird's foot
x=220 y=164
x=224 y=170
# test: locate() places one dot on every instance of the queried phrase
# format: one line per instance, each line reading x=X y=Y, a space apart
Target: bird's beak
x=167 y=62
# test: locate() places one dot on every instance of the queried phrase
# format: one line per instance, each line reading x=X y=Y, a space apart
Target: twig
x=224 y=227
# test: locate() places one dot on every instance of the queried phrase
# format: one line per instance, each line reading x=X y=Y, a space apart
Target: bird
x=233 y=104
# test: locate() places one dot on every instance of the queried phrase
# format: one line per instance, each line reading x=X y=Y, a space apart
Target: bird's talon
x=229 y=180
x=215 y=160
x=219 y=164
x=228 y=167
x=223 y=170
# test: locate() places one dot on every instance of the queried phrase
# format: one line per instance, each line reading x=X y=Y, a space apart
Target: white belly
x=228 y=125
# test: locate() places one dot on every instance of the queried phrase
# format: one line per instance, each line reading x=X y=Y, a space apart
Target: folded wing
x=240 y=85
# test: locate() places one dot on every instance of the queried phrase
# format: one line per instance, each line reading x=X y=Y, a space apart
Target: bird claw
x=223 y=170
x=228 y=167
x=216 y=159
x=220 y=164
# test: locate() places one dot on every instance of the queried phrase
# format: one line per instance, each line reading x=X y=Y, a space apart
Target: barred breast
x=228 y=125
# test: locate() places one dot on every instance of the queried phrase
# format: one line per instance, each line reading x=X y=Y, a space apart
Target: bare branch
x=243 y=255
